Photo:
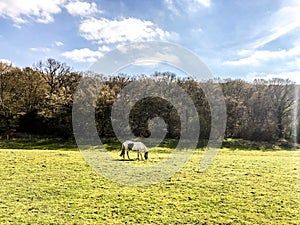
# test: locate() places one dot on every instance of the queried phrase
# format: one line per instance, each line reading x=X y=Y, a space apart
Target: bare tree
x=282 y=97
x=54 y=73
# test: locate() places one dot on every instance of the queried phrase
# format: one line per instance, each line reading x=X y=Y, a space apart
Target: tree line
x=38 y=100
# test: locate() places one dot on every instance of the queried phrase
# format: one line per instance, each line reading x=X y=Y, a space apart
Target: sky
x=238 y=39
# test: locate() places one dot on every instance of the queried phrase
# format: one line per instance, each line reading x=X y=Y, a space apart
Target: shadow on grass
x=126 y=160
x=112 y=144
x=43 y=144
x=240 y=144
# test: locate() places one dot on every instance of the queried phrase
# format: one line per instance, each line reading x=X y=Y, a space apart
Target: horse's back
x=131 y=145
x=139 y=146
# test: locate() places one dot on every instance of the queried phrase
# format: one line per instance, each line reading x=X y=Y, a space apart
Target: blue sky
x=235 y=39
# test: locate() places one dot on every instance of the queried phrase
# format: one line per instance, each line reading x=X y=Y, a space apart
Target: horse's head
x=146 y=155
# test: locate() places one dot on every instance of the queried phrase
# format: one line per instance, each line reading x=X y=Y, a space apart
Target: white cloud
x=104 y=48
x=79 y=8
x=157 y=58
x=281 y=22
x=21 y=11
x=105 y=31
x=58 y=43
x=82 y=55
x=257 y=57
x=294 y=64
x=145 y=63
x=197 y=30
x=6 y=61
x=41 y=49
x=262 y=61
x=244 y=52
x=186 y=6
x=205 y=3
x=171 y=6
x=138 y=46
x=265 y=64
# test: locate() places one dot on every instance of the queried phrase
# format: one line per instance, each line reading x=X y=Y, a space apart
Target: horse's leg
x=128 y=154
x=122 y=152
x=141 y=155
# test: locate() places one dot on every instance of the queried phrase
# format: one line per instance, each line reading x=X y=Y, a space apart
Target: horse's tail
x=123 y=150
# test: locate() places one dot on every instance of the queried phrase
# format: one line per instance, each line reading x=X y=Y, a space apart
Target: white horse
x=135 y=146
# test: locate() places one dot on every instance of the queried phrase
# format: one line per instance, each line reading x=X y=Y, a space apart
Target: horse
x=135 y=146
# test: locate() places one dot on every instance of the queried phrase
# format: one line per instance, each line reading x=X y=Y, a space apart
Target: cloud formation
x=83 y=55
x=279 y=23
x=106 y=31
x=79 y=8
x=262 y=57
x=186 y=6
x=43 y=11
x=258 y=57
x=58 y=43
x=5 y=61
x=21 y=12
x=40 y=49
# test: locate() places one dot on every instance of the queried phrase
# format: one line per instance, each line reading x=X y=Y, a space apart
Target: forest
x=37 y=101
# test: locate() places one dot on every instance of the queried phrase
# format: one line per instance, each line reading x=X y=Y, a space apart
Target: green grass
x=241 y=187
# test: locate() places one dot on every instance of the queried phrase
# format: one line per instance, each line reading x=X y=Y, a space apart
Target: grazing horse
x=134 y=146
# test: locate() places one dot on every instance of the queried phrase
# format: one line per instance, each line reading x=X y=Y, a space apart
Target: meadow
x=240 y=187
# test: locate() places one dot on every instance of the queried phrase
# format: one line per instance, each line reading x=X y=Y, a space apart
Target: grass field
x=241 y=187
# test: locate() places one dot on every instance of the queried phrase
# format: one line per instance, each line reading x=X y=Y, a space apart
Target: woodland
x=37 y=101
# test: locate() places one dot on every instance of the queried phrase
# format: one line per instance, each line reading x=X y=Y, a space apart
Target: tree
x=54 y=73
x=33 y=88
x=61 y=84
x=235 y=92
x=282 y=97
x=7 y=81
